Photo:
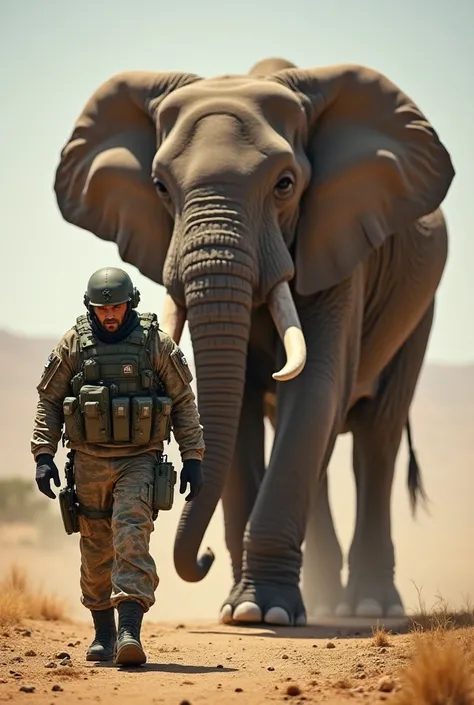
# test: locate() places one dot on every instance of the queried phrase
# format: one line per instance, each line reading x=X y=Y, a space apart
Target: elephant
x=294 y=217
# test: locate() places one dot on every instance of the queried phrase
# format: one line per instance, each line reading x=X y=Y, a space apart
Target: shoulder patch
x=180 y=363
x=52 y=365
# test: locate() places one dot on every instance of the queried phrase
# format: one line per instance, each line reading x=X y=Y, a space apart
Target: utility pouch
x=68 y=507
x=73 y=420
x=121 y=418
x=94 y=404
x=163 y=486
x=91 y=371
x=142 y=408
x=162 y=426
x=146 y=379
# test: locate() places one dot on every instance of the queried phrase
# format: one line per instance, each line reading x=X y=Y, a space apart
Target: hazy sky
x=54 y=53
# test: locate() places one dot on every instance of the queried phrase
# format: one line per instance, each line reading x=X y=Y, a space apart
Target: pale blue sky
x=54 y=53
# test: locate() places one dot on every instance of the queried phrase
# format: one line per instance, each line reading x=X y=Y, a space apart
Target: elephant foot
x=250 y=603
x=380 y=600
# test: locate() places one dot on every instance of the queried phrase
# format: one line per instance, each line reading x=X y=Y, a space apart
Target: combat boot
x=102 y=648
x=128 y=648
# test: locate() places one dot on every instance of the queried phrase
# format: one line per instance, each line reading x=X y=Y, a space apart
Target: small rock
x=26 y=632
x=27 y=688
x=51 y=664
x=285 y=656
x=62 y=654
x=57 y=688
x=359 y=689
x=30 y=652
x=180 y=626
x=239 y=690
x=18 y=659
x=185 y=702
x=330 y=645
x=72 y=643
x=386 y=684
x=219 y=665
x=270 y=668
x=293 y=690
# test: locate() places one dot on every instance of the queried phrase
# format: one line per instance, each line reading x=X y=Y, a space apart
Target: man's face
x=111 y=317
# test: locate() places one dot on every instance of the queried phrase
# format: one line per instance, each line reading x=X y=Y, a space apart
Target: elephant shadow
x=310 y=631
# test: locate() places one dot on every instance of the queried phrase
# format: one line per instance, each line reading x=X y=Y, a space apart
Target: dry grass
x=441 y=670
x=380 y=637
x=19 y=600
x=442 y=616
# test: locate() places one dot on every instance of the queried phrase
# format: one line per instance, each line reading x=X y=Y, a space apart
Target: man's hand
x=191 y=473
x=46 y=471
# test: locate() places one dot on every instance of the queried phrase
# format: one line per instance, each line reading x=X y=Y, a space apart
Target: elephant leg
x=377 y=426
x=244 y=479
x=310 y=409
x=322 y=558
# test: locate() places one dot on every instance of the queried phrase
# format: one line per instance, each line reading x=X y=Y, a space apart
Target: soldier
x=106 y=381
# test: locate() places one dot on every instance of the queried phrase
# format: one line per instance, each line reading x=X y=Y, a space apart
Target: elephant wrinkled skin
x=293 y=216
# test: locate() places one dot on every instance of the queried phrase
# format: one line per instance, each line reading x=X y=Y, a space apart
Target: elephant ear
x=377 y=164
x=103 y=180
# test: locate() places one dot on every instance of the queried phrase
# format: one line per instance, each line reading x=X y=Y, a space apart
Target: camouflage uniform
x=115 y=560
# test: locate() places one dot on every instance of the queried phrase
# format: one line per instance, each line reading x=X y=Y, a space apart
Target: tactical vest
x=117 y=398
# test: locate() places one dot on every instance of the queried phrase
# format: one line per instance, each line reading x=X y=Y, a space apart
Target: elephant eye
x=285 y=186
x=160 y=188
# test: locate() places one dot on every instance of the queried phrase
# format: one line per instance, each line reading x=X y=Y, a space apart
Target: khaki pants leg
x=94 y=487
x=134 y=571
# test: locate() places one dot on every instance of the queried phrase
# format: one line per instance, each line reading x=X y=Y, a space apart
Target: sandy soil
x=201 y=662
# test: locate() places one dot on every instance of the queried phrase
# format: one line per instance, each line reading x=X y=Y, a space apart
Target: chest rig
x=117 y=398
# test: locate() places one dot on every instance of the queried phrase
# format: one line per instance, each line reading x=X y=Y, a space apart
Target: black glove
x=46 y=471
x=191 y=473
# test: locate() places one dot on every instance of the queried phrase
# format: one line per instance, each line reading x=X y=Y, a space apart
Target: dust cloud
x=433 y=552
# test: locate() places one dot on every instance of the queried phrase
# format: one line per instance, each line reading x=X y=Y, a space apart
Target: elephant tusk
x=173 y=319
x=285 y=317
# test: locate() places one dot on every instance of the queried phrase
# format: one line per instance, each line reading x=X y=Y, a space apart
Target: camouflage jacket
x=65 y=361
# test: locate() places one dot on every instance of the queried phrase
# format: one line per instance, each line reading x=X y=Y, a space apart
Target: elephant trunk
x=218 y=273
x=219 y=277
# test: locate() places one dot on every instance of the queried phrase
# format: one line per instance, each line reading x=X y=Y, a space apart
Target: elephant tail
x=414 y=481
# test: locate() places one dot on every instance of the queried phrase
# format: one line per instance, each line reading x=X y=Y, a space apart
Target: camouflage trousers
x=115 y=560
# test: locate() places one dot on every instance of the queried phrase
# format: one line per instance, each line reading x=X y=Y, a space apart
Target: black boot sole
x=130 y=654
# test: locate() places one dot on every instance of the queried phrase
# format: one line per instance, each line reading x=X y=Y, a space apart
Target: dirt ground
x=201 y=662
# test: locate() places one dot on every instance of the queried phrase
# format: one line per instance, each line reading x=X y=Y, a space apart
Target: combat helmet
x=110 y=286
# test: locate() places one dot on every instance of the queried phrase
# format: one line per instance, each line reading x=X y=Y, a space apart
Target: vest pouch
x=162 y=425
x=94 y=403
x=73 y=420
x=91 y=371
x=142 y=408
x=121 y=419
